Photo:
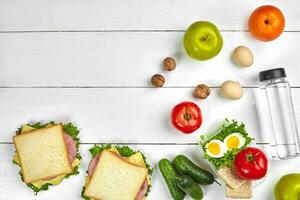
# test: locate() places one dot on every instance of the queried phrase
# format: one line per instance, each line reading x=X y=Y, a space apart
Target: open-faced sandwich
x=46 y=153
x=117 y=172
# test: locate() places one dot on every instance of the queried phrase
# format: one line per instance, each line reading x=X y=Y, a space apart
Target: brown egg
x=232 y=90
x=243 y=56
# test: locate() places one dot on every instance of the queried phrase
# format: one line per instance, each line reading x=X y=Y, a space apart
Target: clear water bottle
x=281 y=110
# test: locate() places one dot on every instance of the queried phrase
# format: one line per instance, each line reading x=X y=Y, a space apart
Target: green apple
x=202 y=40
x=288 y=188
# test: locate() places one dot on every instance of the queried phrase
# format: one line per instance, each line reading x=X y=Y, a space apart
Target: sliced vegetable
x=185 y=166
x=169 y=176
x=189 y=186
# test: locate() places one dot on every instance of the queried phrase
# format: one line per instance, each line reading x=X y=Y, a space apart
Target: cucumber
x=184 y=166
x=169 y=176
x=189 y=186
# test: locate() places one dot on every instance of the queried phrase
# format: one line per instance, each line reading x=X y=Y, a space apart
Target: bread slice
x=42 y=153
x=115 y=179
x=243 y=192
x=229 y=176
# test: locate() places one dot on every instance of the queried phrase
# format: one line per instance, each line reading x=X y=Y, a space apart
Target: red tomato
x=251 y=164
x=186 y=117
x=266 y=23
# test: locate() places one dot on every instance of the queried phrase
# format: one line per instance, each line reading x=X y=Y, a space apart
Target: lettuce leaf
x=228 y=127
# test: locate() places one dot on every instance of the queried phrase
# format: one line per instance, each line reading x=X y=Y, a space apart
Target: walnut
x=202 y=91
x=157 y=80
x=169 y=64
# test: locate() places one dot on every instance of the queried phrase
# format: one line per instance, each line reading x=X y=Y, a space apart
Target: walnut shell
x=157 y=80
x=202 y=91
x=169 y=64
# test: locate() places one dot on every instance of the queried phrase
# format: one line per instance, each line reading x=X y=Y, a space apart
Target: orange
x=266 y=23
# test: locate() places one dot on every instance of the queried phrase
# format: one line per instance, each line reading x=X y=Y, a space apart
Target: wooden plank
x=136 y=115
x=130 y=59
x=133 y=15
x=70 y=189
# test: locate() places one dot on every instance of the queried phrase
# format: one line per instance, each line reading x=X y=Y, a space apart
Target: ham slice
x=142 y=191
x=71 y=147
x=72 y=151
x=91 y=169
x=93 y=165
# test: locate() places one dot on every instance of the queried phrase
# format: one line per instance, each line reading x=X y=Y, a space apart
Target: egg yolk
x=214 y=148
x=233 y=142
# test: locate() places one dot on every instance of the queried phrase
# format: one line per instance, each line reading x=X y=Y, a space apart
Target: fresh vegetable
x=202 y=40
x=185 y=166
x=251 y=164
x=169 y=64
x=243 y=56
x=190 y=187
x=169 y=176
x=288 y=188
x=227 y=128
x=266 y=23
x=158 y=80
x=186 y=117
x=202 y=91
x=232 y=90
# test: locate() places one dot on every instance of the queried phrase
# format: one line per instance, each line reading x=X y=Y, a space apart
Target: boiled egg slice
x=215 y=148
x=234 y=141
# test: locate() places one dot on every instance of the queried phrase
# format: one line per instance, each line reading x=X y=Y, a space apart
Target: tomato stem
x=187 y=116
x=250 y=157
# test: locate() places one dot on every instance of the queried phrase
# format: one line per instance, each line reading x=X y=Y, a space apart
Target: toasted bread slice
x=229 y=176
x=42 y=153
x=114 y=178
x=243 y=192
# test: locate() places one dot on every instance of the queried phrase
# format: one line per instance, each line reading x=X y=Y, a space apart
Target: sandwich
x=117 y=171
x=46 y=153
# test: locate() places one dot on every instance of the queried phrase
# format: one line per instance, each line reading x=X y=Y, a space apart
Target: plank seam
x=109 y=87
x=119 y=31
x=138 y=143
x=117 y=87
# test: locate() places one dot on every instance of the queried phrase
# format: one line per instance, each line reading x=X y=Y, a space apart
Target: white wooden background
x=90 y=62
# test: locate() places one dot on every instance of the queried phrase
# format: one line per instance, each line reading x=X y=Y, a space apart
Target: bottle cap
x=272 y=74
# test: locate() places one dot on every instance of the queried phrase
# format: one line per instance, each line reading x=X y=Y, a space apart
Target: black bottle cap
x=272 y=74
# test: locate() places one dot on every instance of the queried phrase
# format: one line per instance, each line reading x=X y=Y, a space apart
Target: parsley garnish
x=227 y=128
